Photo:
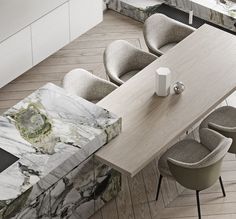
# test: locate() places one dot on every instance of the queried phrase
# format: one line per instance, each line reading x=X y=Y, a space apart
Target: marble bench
x=55 y=135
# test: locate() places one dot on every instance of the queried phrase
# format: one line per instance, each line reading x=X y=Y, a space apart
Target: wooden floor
x=136 y=201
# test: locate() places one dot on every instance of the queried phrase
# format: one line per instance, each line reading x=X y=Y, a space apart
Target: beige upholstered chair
x=122 y=61
x=87 y=85
x=161 y=33
x=195 y=165
x=223 y=120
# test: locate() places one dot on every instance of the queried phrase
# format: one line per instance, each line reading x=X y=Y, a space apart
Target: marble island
x=55 y=135
x=137 y=9
x=219 y=12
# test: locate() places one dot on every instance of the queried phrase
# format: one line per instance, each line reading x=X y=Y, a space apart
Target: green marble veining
x=36 y=128
x=54 y=135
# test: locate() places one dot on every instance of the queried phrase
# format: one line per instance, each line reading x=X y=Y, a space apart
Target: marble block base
x=138 y=9
x=78 y=195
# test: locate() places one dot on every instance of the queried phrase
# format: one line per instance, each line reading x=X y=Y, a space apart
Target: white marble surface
x=78 y=128
x=210 y=10
x=214 y=5
x=137 y=9
x=143 y=4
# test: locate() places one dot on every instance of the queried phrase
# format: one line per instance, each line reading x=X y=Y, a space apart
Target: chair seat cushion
x=188 y=151
x=125 y=77
x=224 y=116
x=167 y=47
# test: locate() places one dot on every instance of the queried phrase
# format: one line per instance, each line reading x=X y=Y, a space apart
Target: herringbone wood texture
x=136 y=200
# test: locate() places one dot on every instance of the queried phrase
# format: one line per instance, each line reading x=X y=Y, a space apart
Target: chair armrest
x=103 y=88
x=143 y=59
x=195 y=178
x=195 y=165
x=221 y=128
x=210 y=138
x=181 y=31
x=115 y=79
x=154 y=50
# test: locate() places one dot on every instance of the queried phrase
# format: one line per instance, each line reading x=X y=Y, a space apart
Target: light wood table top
x=205 y=62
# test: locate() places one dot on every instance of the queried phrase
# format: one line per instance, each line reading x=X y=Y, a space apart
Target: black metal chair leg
x=222 y=186
x=159 y=187
x=198 y=205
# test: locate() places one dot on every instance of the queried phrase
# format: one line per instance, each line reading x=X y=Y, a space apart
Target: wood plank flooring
x=137 y=199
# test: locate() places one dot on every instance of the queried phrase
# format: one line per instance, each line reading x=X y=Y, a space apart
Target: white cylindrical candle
x=163 y=81
x=190 y=19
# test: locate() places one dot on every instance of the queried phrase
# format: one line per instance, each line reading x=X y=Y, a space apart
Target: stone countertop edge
x=27 y=169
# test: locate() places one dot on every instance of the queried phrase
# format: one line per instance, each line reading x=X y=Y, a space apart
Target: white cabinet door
x=16 y=56
x=50 y=33
x=15 y=14
x=84 y=14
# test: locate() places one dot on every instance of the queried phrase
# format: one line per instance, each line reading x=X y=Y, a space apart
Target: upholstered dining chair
x=161 y=33
x=223 y=120
x=86 y=85
x=195 y=165
x=123 y=60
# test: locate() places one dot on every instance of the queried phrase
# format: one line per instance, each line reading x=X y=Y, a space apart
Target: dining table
x=205 y=62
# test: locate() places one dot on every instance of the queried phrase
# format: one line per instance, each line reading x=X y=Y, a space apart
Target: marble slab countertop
x=143 y=5
x=219 y=12
x=223 y=14
x=137 y=9
x=216 y=5
x=51 y=133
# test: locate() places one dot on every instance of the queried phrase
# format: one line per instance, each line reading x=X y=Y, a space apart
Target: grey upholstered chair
x=161 y=33
x=195 y=165
x=123 y=60
x=223 y=120
x=86 y=85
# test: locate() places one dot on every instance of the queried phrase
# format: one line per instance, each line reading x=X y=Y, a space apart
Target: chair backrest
x=86 y=85
x=204 y=173
x=121 y=57
x=222 y=120
x=216 y=154
x=160 y=30
x=216 y=143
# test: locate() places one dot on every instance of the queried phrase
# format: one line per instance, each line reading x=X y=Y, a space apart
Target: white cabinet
x=51 y=25
x=84 y=14
x=16 y=15
x=16 y=56
x=50 y=33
